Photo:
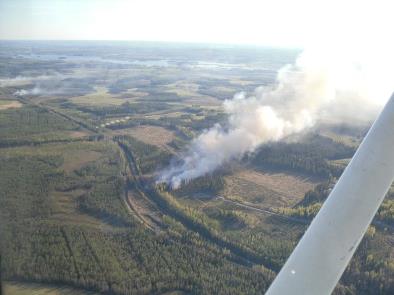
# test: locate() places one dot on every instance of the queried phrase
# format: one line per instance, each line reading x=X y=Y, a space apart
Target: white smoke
x=38 y=81
x=49 y=85
x=34 y=91
x=314 y=89
x=23 y=80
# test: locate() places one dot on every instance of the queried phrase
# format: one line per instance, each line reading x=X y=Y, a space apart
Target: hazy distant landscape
x=87 y=128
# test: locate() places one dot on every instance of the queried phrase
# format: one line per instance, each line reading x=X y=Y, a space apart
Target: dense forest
x=127 y=259
x=310 y=157
x=80 y=155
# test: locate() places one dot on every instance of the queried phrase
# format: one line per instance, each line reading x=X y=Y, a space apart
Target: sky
x=284 y=23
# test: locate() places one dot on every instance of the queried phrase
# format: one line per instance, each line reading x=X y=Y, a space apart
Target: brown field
x=268 y=189
x=9 y=104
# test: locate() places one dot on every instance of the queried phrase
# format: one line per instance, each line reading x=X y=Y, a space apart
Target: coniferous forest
x=82 y=145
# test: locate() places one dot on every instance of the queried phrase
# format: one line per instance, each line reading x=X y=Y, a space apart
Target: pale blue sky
x=268 y=22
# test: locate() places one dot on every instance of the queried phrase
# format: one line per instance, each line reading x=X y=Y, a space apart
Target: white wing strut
x=321 y=256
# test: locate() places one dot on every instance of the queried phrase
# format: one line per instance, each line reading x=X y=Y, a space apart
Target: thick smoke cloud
x=313 y=90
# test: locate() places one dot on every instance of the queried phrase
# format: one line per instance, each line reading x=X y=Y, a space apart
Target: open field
x=9 y=104
x=99 y=98
x=77 y=159
x=268 y=189
x=66 y=211
x=154 y=135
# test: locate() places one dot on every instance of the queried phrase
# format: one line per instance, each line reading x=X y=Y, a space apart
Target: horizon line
x=257 y=45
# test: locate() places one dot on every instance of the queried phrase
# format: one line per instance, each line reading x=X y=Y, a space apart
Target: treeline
x=148 y=158
x=309 y=156
x=44 y=140
x=31 y=124
x=309 y=206
x=200 y=223
x=126 y=108
x=104 y=201
x=319 y=194
x=105 y=197
x=386 y=212
x=211 y=184
x=306 y=212
x=371 y=271
x=130 y=262
x=228 y=219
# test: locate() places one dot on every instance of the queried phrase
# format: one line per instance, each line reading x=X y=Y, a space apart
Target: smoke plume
x=313 y=89
x=33 y=91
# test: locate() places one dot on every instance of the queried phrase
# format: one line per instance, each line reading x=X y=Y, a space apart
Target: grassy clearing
x=74 y=154
x=99 y=98
x=66 y=211
x=74 y=161
x=154 y=135
x=268 y=189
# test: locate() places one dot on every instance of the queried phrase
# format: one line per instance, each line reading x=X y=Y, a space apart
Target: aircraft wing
x=321 y=256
